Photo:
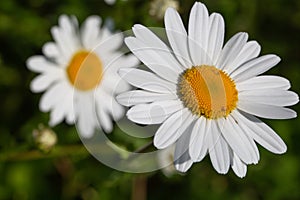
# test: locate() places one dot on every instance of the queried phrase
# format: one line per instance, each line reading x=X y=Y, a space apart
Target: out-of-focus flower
x=79 y=75
x=208 y=94
x=110 y=2
x=159 y=7
x=165 y=160
x=45 y=138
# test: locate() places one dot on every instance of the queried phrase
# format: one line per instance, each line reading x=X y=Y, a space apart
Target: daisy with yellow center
x=79 y=75
x=206 y=95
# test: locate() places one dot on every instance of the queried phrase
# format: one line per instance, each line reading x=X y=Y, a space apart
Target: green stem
x=58 y=151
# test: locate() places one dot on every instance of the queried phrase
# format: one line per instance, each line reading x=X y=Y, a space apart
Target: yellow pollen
x=85 y=70
x=207 y=91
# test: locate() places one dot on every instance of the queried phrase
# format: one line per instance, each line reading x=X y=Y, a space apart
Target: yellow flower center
x=207 y=91
x=85 y=70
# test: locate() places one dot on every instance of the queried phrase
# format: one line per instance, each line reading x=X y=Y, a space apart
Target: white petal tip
x=34 y=87
x=241 y=175
x=170 y=9
x=183 y=167
x=157 y=143
x=86 y=135
x=138 y=26
x=29 y=62
x=53 y=123
x=107 y=128
x=123 y=71
x=280 y=150
x=128 y=40
x=120 y=99
x=32 y=62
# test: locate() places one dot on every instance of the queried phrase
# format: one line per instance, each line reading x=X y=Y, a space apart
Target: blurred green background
x=69 y=172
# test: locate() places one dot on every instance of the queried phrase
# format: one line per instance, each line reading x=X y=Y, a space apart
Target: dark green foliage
x=69 y=172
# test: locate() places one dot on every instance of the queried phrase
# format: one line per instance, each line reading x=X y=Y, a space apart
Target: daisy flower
x=206 y=96
x=78 y=73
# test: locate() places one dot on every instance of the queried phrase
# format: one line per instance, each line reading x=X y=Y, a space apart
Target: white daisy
x=205 y=95
x=79 y=75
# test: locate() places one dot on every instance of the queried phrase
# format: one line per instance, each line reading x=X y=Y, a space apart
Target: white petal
x=61 y=43
x=218 y=149
x=266 y=111
x=242 y=145
x=152 y=41
x=70 y=114
x=198 y=146
x=152 y=58
x=50 y=50
x=182 y=159
x=270 y=96
x=216 y=36
x=172 y=128
x=140 y=96
x=231 y=49
x=65 y=37
x=106 y=102
x=117 y=111
x=153 y=113
x=53 y=95
x=147 y=81
x=261 y=132
x=177 y=36
x=69 y=28
x=113 y=84
x=249 y=51
x=40 y=64
x=57 y=114
x=104 y=120
x=264 y=82
x=66 y=24
x=85 y=110
x=105 y=106
x=183 y=163
x=255 y=67
x=62 y=106
x=198 y=33
x=90 y=31
x=43 y=82
x=113 y=62
x=239 y=168
x=108 y=41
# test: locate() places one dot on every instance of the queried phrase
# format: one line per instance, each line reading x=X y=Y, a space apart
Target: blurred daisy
x=205 y=95
x=110 y=2
x=79 y=75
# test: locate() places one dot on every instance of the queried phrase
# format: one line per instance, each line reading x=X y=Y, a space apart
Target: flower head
x=206 y=95
x=79 y=74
